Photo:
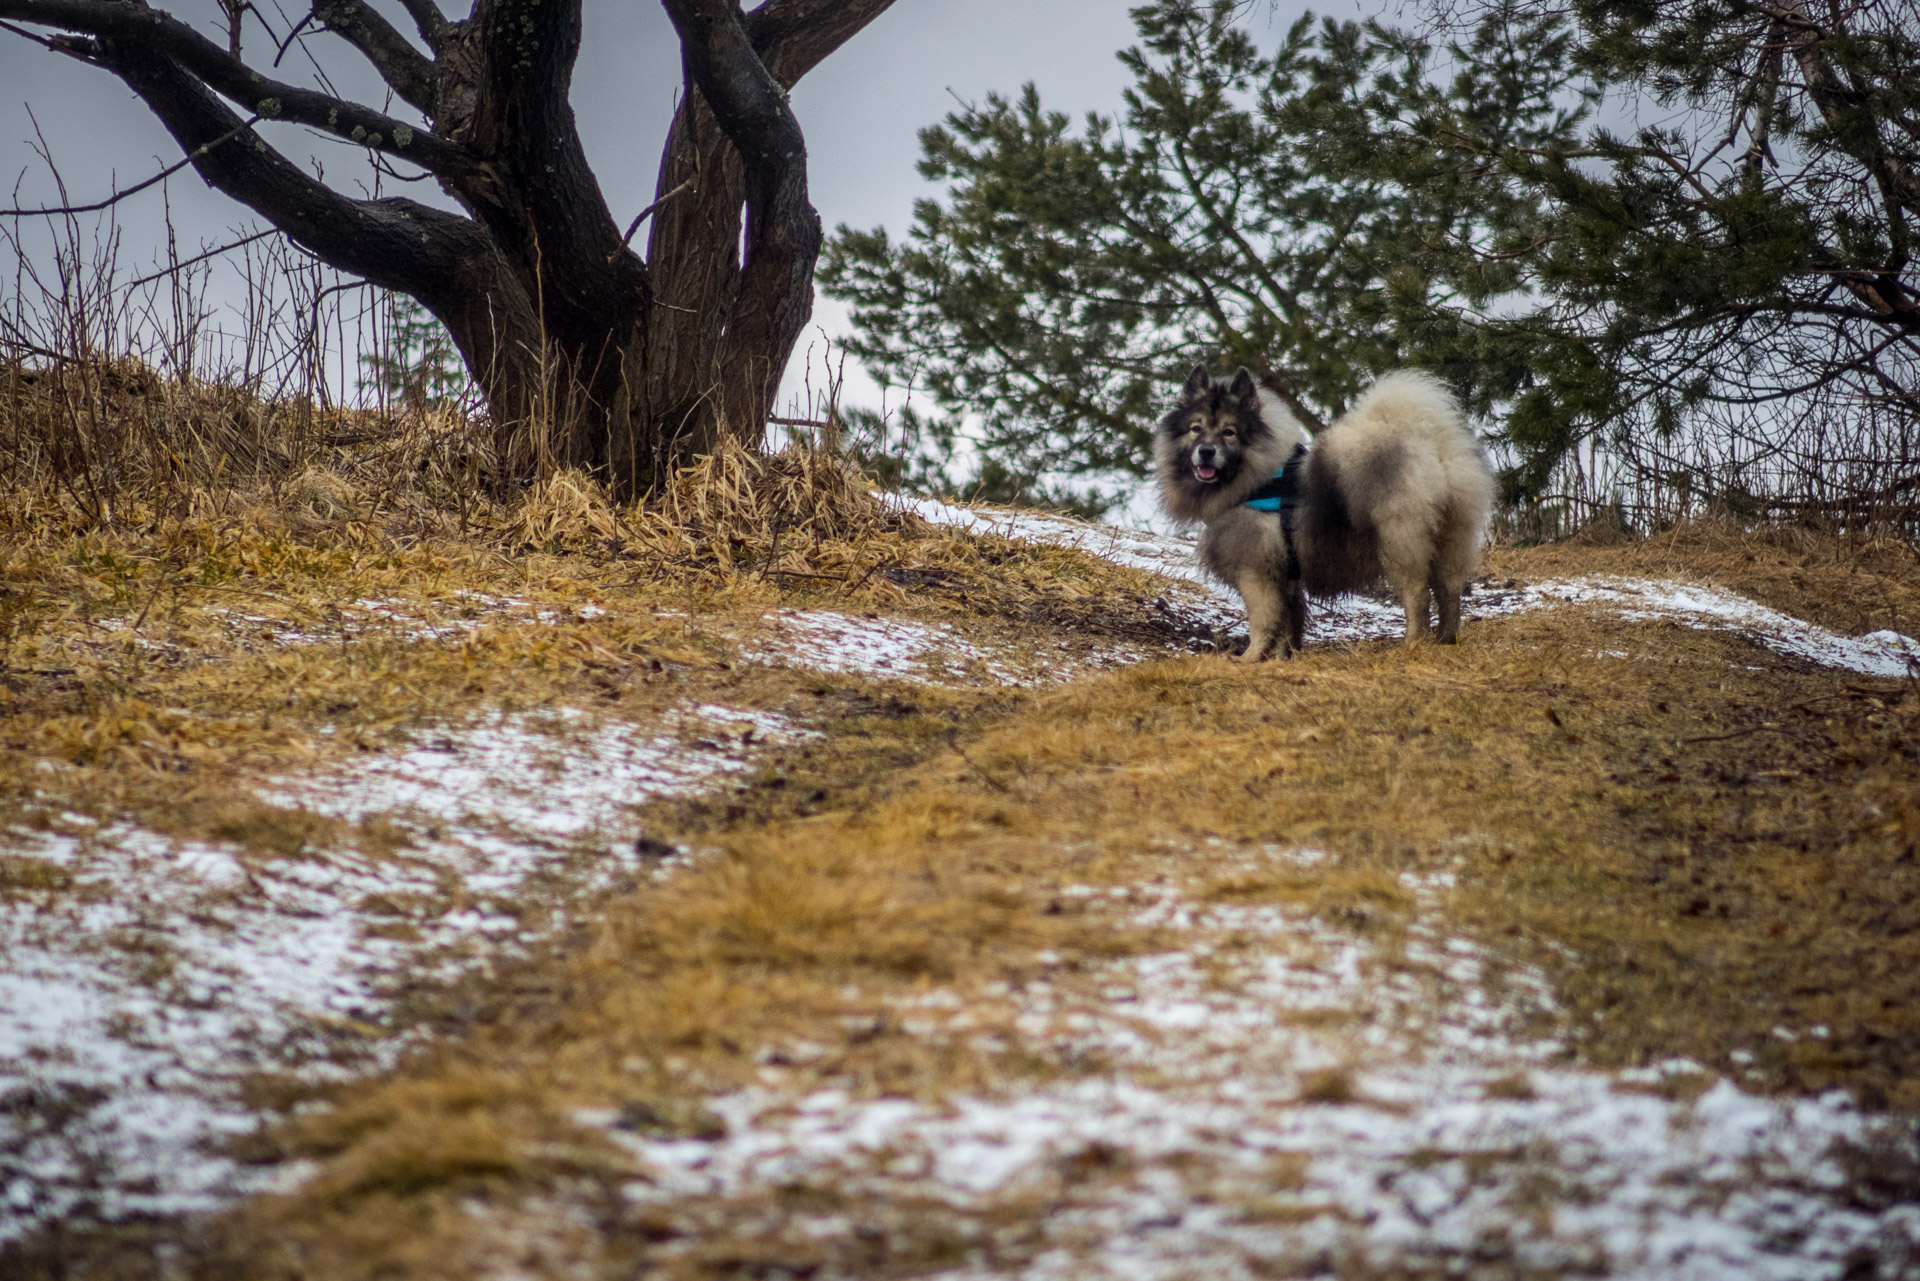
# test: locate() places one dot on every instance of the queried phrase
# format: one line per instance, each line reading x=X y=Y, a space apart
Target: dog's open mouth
x=1205 y=473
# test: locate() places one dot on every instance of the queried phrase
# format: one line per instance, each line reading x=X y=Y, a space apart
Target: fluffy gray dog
x=1397 y=487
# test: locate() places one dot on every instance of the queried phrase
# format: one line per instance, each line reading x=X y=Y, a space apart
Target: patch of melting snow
x=466 y=612
x=1355 y=618
x=1451 y=1143
x=538 y=776
x=910 y=649
x=136 y=998
x=1882 y=653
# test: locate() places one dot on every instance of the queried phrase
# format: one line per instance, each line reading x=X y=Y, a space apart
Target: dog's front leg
x=1261 y=595
x=1293 y=618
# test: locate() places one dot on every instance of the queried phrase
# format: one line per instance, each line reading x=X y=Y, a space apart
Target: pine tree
x=1302 y=212
x=1720 y=303
x=1741 y=269
x=419 y=365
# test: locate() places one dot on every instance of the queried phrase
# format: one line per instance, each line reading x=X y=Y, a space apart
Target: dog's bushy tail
x=1398 y=483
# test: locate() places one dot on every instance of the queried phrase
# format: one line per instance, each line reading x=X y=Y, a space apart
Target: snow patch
x=137 y=996
x=1206 y=1148
x=400 y=619
x=1357 y=618
x=908 y=649
x=539 y=775
x=1213 y=607
x=1882 y=653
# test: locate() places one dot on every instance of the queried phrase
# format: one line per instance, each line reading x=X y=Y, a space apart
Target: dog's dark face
x=1208 y=433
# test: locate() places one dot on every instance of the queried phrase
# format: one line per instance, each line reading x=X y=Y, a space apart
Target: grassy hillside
x=776 y=883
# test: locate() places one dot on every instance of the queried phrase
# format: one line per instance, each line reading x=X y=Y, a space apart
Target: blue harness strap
x=1284 y=489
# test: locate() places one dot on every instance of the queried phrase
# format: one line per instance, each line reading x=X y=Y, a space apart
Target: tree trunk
x=555 y=399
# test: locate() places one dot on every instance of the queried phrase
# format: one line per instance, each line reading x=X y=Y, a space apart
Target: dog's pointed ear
x=1243 y=388
x=1199 y=382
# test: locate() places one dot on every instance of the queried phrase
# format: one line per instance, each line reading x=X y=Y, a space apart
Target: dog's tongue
x=1204 y=473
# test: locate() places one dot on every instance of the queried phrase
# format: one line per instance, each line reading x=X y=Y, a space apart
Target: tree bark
x=702 y=190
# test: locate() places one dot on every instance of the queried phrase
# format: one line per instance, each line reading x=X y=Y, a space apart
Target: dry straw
x=736 y=506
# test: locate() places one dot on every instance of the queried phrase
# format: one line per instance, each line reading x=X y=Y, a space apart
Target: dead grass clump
x=1517 y=1087
x=1329 y=1085
x=166 y=472
x=115 y=443
x=567 y=511
x=30 y=877
x=323 y=497
x=736 y=506
x=270 y=830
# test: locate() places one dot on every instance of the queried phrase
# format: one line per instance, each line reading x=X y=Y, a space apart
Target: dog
x=1398 y=488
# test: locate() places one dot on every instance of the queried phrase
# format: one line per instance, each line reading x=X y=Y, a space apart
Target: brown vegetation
x=1705 y=880
x=1731 y=844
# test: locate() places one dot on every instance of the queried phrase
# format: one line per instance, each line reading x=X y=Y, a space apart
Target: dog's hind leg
x=1446 y=598
x=1265 y=613
x=1406 y=553
x=1455 y=553
x=1418 y=599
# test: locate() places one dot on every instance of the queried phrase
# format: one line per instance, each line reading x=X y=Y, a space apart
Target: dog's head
x=1203 y=442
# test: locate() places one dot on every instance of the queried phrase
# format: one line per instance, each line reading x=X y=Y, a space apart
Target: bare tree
x=587 y=353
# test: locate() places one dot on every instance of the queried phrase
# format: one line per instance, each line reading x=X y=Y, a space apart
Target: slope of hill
x=931 y=899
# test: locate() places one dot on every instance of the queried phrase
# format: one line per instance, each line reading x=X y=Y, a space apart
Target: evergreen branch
x=1837 y=103
x=1226 y=228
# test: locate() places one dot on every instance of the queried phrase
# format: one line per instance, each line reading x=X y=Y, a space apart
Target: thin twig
x=773 y=553
x=293 y=35
x=162 y=176
x=154 y=595
x=1739 y=733
x=642 y=217
x=878 y=565
x=953 y=741
x=34 y=36
x=178 y=267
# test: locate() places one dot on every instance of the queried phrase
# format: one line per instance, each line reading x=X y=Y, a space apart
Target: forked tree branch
x=537 y=194
x=793 y=37
x=162 y=33
x=701 y=163
x=403 y=67
x=775 y=294
x=398 y=244
x=748 y=102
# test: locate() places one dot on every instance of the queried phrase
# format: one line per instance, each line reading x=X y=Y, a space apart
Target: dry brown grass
x=1699 y=842
x=140 y=637
x=1697 y=886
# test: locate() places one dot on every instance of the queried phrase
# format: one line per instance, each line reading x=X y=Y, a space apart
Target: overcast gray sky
x=860 y=109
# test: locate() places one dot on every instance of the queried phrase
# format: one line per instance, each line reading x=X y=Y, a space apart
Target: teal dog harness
x=1284 y=489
